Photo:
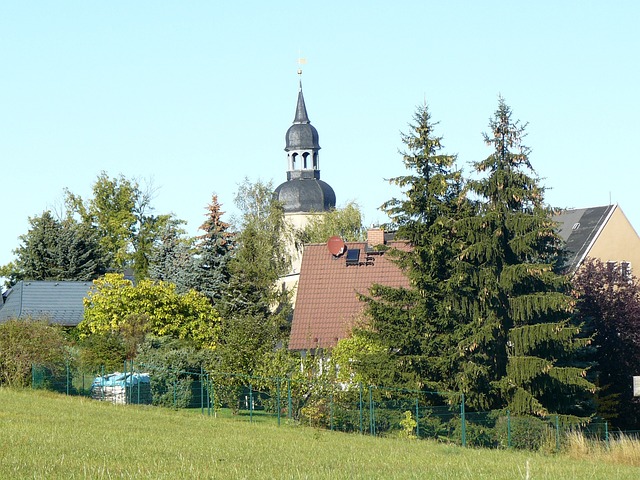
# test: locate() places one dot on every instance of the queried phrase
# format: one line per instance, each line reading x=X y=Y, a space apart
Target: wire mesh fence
x=355 y=408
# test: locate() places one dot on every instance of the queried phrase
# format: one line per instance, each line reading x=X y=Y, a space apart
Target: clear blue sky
x=196 y=95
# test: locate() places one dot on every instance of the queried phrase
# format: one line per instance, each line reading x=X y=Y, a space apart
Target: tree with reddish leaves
x=609 y=304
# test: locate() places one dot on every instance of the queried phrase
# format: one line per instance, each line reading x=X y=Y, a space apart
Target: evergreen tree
x=414 y=325
x=254 y=310
x=519 y=345
x=172 y=259
x=57 y=250
x=215 y=248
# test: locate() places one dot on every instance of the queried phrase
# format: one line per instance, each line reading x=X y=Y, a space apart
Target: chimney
x=375 y=236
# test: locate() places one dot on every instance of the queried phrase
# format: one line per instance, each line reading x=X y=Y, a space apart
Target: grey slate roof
x=579 y=228
x=59 y=302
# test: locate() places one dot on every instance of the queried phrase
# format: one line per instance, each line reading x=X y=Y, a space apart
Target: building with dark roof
x=303 y=195
x=328 y=304
x=602 y=233
x=59 y=302
x=304 y=192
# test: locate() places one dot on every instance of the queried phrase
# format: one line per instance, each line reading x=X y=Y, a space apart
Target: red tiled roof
x=327 y=303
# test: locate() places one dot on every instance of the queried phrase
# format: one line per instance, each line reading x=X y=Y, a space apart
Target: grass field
x=45 y=435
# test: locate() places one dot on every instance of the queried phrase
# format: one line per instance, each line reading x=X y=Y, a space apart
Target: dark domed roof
x=306 y=195
x=302 y=136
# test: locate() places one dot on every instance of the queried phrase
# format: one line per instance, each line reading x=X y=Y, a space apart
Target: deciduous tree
x=609 y=304
x=114 y=304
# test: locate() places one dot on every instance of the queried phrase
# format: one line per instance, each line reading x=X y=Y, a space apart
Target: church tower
x=303 y=195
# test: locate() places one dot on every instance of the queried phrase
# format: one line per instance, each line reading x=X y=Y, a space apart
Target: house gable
x=328 y=303
x=602 y=233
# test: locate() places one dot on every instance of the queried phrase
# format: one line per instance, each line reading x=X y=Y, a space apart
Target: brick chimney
x=375 y=236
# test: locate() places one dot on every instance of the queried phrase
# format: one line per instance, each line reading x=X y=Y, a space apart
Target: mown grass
x=44 y=435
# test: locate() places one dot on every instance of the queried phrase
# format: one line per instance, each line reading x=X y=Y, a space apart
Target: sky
x=192 y=97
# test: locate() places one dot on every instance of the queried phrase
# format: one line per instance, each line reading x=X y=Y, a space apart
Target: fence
x=365 y=409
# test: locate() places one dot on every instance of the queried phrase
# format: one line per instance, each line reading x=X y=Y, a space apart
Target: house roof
x=579 y=228
x=59 y=302
x=327 y=303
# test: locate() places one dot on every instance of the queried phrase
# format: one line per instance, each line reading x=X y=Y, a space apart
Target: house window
x=625 y=270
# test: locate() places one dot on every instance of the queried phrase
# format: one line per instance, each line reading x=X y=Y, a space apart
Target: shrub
x=24 y=343
x=526 y=432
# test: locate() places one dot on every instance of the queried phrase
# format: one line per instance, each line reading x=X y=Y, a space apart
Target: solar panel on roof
x=353 y=256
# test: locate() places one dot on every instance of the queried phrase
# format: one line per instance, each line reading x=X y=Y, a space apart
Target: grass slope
x=44 y=435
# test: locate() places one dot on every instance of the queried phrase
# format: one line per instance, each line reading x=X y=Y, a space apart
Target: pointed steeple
x=301 y=109
x=304 y=191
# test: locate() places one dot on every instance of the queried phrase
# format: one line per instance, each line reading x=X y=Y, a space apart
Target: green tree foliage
x=172 y=364
x=172 y=258
x=345 y=222
x=27 y=342
x=261 y=255
x=609 y=304
x=518 y=345
x=114 y=304
x=414 y=325
x=120 y=210
x=214 y=249
x=255 y=311
x=55 y=249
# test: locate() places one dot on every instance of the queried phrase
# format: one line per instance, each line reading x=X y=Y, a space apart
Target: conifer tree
x=519 y=346
x=413 y=325
x=215 y=249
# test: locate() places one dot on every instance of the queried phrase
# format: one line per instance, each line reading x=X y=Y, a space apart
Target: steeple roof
x=301 y=109
x=302 y=135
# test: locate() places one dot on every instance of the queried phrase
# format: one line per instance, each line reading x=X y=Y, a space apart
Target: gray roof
x=306 y=195
x=579 y=228
x=59 y=302
x=301 y=135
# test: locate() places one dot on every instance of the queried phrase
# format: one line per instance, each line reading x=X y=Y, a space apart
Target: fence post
x=250 y=403
x=278 y=399
x=102 y=382
x=463 y=421
x=606 y=433
x=209 y=395
x=508 y=429
x=361 y=430
x=372 y=424
x=139 y=381
x=201 y=391
x=417 y=420
x=67 y=366
x=175 y=404
x=557 y=434
x=289 y=402
x=331 y=411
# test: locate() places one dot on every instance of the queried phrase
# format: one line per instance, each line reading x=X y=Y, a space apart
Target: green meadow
x=46 y=435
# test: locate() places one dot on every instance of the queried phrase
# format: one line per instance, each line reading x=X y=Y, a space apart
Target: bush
x=24 y=343
x=174 y=366
x=527 y=433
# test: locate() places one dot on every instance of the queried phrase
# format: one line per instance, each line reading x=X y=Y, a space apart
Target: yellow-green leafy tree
x=115 y=304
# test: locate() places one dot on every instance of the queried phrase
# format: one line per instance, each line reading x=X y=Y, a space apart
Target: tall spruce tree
x=519 y=345
x=414 y=325
x=215 y=249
